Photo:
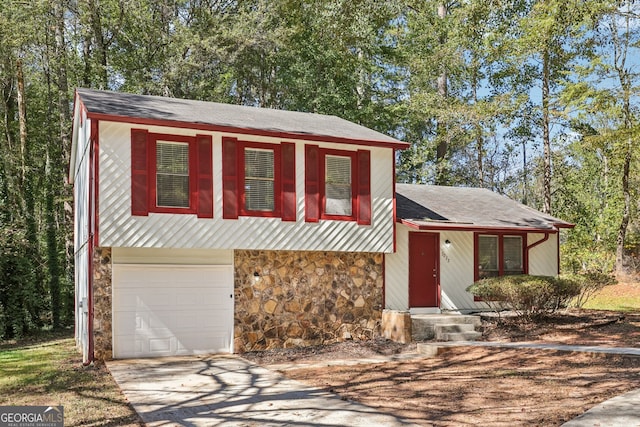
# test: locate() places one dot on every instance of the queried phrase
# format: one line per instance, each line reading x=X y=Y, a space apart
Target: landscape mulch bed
x=482 y=386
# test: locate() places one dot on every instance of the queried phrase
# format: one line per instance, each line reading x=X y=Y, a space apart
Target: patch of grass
x=50 y=373
x=620 y=297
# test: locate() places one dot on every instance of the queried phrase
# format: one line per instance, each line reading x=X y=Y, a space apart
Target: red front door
x=424 y=289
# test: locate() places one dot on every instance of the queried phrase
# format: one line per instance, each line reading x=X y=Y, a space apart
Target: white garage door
x=166 y=310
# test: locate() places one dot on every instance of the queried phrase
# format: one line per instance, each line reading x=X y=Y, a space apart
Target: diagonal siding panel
x=396 y=272
x=119 y=229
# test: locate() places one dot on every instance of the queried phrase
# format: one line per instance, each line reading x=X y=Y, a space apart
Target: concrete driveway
x=224 y=390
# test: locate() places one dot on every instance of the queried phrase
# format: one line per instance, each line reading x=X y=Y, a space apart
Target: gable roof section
x=429 y=207
x=202 y=115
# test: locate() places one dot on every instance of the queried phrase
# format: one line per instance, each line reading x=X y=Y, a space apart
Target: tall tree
x=604 y=95
x=551 y=36
x=624 y=28
x=442 y=134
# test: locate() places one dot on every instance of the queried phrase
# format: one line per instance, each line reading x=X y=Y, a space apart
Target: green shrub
x=531 y=297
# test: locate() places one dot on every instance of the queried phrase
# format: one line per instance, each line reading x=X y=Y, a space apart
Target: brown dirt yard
x=481 y=386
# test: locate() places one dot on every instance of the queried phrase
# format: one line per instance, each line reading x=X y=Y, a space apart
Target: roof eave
x=564 y=225
x=398 y=145
x=440 y=226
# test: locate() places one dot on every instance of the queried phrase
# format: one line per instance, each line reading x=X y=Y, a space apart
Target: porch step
x=444 y=327
x=462 y=336
x=456 y=332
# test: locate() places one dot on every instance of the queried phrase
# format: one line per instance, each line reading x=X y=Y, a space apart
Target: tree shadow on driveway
x=230 y=391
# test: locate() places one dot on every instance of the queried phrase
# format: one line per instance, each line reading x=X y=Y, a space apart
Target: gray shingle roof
x=462 y=207
x=236 y=118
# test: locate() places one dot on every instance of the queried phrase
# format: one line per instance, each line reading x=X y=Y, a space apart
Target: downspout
x=90 y=305
x=384 y=281
x=384 y=255
x=393 y=189
x=533 y=245
x=90 y=223
x=558 y=252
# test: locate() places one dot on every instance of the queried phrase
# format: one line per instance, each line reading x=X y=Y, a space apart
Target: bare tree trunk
x=10 y=172
x=546 y=137
x=22 y=121
x=478 y=132
x=624 y=223
x=625 y=81
x=442 y=148
x=63 y=84
x=64 y=114
x=525 y=174
x=96 y=25
x=621 y=46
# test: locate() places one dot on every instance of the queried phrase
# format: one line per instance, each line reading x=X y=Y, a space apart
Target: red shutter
x=229 y=178
x=205 y=176
x=312 y=183
x=139 y=172
x=364 y=187
x=288 y=181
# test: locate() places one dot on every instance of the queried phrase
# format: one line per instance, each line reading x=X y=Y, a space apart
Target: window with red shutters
x=337 y=185
x=260 y=186
x=171 y=174
x=258 y=179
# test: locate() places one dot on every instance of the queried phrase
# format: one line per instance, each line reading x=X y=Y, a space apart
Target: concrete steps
x=456 y=332
x=444 y=327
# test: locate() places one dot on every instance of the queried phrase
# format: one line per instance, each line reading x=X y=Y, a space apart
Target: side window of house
x=337 y=185
x=171 y=174
x=499 y=255
x=258 y=179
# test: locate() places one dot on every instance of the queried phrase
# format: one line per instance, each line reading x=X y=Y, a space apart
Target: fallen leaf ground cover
x=482 y=386
x=49 y=372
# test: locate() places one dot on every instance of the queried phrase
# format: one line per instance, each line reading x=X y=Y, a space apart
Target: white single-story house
x=449 y=237
x=203 y=227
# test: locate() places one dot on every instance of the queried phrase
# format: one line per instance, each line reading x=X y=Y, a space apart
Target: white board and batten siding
x=172 y=302
x=118 y=228
x=456 y=268
x=79 y=175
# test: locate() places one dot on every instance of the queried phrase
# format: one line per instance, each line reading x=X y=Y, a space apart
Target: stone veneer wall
x=102 y=304
x=305 y=298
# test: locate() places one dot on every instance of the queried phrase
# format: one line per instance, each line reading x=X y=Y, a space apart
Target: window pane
x=512 y=255
x=172 y=174
x=338 y=185
x=259 y=180
x=488 y=256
